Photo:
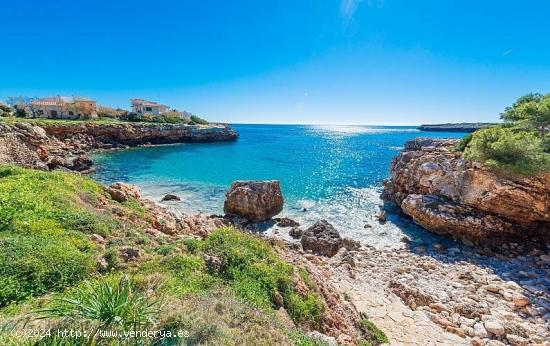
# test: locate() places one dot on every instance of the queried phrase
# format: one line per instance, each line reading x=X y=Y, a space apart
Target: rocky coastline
x=451 y=127
x=420 y=294
x=445 y=194
x=67 y=145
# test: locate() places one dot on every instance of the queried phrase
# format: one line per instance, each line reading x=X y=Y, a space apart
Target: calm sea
x=330 y=172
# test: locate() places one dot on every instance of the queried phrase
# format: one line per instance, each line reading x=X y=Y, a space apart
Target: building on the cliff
x=63 y=107
x=142 y=106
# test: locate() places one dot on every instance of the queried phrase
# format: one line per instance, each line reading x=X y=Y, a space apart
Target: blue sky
x=330 y=61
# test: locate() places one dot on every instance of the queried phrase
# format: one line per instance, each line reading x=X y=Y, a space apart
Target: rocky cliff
x=66 y=145
x=141 y=133
x=446 y=194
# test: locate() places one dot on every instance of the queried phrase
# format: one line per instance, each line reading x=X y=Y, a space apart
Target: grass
x=45 y=222
x=45 y=121
x=223 y=289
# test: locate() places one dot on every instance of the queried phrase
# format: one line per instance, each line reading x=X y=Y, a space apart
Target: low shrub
x=376 y=336
x=508 y=150
x=198 y=120
x=258 y=275
x=32 y=265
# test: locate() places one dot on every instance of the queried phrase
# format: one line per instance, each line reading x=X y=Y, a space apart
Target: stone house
x=141 y=106
x=64 y=107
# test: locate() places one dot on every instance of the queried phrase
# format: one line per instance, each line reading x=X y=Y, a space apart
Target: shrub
x=106 y=303
x=197 y=120
x=376 y=336
x=32 y=265
x=258 y=275
x=5 y=111
x=508 y=150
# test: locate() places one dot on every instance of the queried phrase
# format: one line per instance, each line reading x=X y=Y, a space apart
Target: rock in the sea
x=446 y=194
x=322 y=238
x=286 y=222
x=296 y=232
x=256 y=201
x=121 y=192
x=169 y=197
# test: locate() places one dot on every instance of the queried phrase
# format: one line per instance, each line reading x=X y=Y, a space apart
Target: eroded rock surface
x=448 y=195
x=254 y=200
x=65 y=146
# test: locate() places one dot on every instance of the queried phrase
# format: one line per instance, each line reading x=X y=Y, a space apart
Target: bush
x=33 y=265
x=376 y=336
x=5 y=111
x=508 y=150
x=258 y=275
x=197 y=120
x=44 y=221
x=108 y=302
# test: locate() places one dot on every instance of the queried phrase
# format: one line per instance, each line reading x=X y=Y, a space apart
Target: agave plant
x=108 y=303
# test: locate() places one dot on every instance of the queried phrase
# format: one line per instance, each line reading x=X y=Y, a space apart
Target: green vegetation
x=109 y=303
x=197 y=120
x=376 y=335
x=518 y=147
x=223 y=289
x=5 y=111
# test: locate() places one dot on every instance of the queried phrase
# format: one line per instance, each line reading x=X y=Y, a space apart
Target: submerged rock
x=322 y=238
x=286 y=222
x=256 y=201
x=170 y=197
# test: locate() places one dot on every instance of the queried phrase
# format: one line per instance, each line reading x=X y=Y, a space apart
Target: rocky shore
x=420 y=294
x=66 y=145
x=445 y=194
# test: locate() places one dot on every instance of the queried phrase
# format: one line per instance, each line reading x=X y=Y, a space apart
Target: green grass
x=45 y=221
x=47 y=260
x=45 y=121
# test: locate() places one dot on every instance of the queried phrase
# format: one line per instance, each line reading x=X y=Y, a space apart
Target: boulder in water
x=322 y=238
x=170 y=197
x=256 y=201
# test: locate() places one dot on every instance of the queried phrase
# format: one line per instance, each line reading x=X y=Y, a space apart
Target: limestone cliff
x=446 y=194
x=55 y=145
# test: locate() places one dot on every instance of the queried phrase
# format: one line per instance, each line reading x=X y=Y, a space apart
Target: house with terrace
x=63 y=107
x=142 y=106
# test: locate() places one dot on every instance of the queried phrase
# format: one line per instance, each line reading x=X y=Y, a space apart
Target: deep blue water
x=335 y=172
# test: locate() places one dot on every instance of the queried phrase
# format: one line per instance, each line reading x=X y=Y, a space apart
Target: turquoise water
x=333 y=172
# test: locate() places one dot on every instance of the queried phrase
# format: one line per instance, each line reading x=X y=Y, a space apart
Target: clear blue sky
x=330 y=61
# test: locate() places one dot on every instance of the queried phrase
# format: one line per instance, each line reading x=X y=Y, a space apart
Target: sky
x=385 y=62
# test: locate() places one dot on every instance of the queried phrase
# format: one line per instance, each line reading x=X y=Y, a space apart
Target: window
x=53 y=114
x=40 y=112
x=148 y=109
x=71 y=113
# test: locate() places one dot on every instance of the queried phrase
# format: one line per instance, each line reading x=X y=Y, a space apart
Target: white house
x=148 y=107
x=64 y=107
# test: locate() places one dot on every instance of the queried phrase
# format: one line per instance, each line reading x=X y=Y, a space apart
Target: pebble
x=494 y=327
x=479 y=330
x=519 y=300
x=516 y=340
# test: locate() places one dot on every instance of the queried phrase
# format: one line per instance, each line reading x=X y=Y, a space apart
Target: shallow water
x=331 y=172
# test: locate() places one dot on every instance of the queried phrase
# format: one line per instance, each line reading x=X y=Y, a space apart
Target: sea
x=326 y=172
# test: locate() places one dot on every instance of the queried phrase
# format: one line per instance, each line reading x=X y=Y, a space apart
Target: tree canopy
x=531 y=111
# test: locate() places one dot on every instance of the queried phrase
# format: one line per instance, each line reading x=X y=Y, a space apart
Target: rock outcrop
x=256 y=201
x=322 y=238
x=446 y=194
x=66 y=145
x=133 y=134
